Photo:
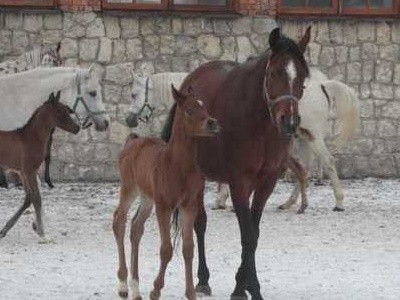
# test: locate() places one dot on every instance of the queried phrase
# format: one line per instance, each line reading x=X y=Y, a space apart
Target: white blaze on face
x=292 y=74
x=200 y=102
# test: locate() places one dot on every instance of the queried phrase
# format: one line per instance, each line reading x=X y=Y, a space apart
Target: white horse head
x=140 y=108
x=88 y=104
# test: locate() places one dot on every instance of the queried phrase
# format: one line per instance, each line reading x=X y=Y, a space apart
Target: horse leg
x=3 y=179
x=262 y=192
x=203 y=273
x=222 y=196
x=240 y=192
x=47 y=162
x=126 y=197
x=137 y=230
x=163 y=218
x=301 y=175
x=30 y=182
x=189 y=217
x=15 y=217
x=328 y=161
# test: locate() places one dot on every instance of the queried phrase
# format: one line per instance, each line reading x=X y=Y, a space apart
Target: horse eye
x=93 y=94
x=189 y=111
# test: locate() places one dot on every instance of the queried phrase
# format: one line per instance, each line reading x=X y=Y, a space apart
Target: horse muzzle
x=132 y=120
x=212 y=126
x=288 y=125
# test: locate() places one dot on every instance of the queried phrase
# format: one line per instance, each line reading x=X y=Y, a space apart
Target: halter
x=146 y=104
x=84 y=123
x=268 y=100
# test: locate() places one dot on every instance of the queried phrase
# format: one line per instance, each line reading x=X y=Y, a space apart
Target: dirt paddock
x=319 y=255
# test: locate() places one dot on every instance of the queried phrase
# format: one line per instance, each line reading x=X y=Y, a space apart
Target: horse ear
x=51 y=98
x=178 y=96
x=58 y=47
x=274 y=37
x=305 y=40
x=57 y=99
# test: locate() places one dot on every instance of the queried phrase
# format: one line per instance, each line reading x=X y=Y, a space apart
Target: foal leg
x=189 y=217
x=328 y=161
x=15 y=217
x=126 y=198
x=222 y=196
x=203 y=273
x=3 y=179
x=163 y=218
x=47 y=162
x=137 y=230
x=31 y=185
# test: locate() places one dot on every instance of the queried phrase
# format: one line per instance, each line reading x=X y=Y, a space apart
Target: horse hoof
x=203 y=289
x=138 y=298
x=281 y=207
x=237 y=297
x=338 y=208
x=154 y=295
x=218 y=207
x=123 y=294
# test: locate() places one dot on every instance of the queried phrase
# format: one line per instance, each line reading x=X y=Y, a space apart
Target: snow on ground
x=319 y=255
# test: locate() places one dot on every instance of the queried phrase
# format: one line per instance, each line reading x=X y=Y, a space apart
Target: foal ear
x=51 y=97
x=274 y=37
x=57 y=99
x=178 y=96
x=305 y=40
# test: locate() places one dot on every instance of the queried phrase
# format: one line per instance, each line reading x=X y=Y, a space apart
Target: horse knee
x=166 y=252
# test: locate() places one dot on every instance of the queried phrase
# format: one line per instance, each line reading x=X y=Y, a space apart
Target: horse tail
x=176 y=226
x=347 y=110
x=167 y=129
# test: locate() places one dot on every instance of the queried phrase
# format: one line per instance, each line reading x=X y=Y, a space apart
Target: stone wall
x=363 y=54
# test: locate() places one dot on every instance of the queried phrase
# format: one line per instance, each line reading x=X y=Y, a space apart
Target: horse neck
x=41 y=124
x=182 y=148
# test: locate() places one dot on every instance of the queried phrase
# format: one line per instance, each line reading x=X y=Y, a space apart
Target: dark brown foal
x=24 y=150
x=168 y=176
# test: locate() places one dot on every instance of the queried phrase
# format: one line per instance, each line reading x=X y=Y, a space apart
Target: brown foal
x=168 y=176
x=24 y=150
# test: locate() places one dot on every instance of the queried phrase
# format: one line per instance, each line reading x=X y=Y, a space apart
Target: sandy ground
x=319 y=255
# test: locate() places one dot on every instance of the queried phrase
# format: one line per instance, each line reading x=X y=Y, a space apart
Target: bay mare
x=23 y=150
x=256 y=104
x=320 y=97
x=167 y=175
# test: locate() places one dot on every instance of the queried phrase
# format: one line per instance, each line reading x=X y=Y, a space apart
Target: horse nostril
x=212 y=125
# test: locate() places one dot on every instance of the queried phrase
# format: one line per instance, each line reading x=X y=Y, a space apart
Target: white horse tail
x=347 y=110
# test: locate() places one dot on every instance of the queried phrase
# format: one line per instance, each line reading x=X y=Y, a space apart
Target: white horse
x=150 y=92
x=22 y=93
x=321 y=95
x=315 y=107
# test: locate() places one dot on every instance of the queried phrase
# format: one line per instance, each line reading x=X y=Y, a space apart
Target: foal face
x=197 y=121
x=62 y=115
x=285 y=74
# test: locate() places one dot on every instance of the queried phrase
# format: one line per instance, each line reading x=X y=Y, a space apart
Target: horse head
x=62 y=114
x=140 y=108
x=197 y=121
x=285 y=73
x=89 y=105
